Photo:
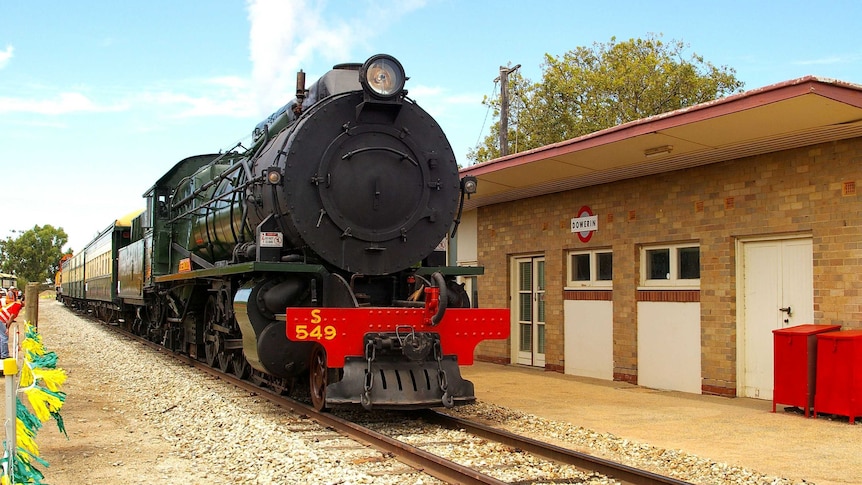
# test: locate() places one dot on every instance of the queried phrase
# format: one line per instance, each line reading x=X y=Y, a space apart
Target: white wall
x=468 y=237
x=669 y=346
x=589 y=339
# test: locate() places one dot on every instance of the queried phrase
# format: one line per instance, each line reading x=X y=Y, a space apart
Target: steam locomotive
x=310 y=257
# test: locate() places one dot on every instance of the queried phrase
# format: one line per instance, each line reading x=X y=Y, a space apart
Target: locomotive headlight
x=273 y=176
x=382 y=76
x=469 y=184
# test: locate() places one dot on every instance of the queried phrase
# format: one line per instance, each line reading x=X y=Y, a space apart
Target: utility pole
x=504 y=107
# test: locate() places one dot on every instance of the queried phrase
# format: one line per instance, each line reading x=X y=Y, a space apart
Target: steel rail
x=436 y=466
x=624 y=473
x=423 y=461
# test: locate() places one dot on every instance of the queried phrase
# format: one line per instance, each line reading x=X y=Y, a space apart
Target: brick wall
x=808 y=190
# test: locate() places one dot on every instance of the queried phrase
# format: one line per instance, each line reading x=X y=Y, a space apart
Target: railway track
x=622 y=473
x=431 y=463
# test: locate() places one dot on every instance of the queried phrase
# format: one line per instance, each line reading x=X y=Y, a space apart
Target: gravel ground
x=135 y=416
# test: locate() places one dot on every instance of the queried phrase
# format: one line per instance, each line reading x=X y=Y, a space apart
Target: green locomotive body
x=337 y=210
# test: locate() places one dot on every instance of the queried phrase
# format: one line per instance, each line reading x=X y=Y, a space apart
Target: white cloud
x=422 y=91
x=232 y=82
x=180 y=105
x=442 y=103
x=5 y=55
x=833 y=59
x=218 y=96
x=470 y=99
x=62 y=103
x=285 y=36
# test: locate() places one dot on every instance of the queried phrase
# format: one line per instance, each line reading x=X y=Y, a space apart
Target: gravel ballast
x=136 y=416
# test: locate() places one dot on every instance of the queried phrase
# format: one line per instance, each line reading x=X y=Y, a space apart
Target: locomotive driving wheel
x=153 y=312
x=224 y=361
x=241 y=367
x=318 y=377
x=138 y=322
x=151 y=323
x=212 y=339
x=282 y=385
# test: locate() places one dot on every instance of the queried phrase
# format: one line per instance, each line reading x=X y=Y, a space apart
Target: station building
x=665 y=251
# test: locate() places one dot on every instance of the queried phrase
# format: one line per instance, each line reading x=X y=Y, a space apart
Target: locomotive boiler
x=311 y=256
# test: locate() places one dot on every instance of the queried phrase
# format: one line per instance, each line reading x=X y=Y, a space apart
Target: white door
x=778 y=292
x=529 y=314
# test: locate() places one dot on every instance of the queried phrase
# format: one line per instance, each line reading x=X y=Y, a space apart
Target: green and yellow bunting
x=40 y=382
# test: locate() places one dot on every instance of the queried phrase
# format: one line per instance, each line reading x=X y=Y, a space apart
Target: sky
x=98 y=99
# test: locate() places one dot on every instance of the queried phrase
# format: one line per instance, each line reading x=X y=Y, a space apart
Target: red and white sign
x=585 y=224
x=271 y=240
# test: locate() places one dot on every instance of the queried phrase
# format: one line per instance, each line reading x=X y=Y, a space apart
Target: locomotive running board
x=243 y=268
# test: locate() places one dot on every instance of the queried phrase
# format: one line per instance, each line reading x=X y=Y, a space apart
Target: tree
x=590 y=89
x=35 y=254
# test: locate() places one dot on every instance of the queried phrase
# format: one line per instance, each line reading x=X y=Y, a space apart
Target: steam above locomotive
x=311 y=254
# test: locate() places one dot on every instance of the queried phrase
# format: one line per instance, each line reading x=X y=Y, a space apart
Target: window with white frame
x=671 y=265
x=593 y=268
